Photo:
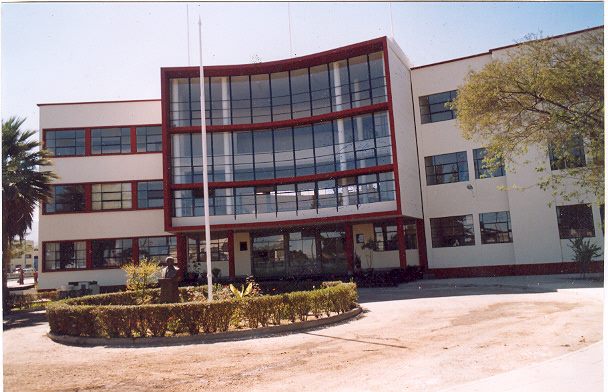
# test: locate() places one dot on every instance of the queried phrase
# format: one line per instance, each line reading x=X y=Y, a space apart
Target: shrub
x=140 y=276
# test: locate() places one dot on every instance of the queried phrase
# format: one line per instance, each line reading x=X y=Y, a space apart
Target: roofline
x=94 y=102
x=507 y=46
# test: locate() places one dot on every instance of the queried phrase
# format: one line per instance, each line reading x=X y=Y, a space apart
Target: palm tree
x=23 y=186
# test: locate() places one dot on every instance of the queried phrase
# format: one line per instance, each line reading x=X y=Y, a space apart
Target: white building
x=310 y=158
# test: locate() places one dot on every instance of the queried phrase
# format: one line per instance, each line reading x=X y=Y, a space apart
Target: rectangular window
x=358 y=70
x=446 y=168
x=113 y=196
x=300 y=93
x=327 y=194
x=452 y=231
x=187 y=158
x=305 y=153
x=150 y=194
x=281 y=96
x=65 y=255
x=243 y=155
x=495 y=227
x=320 y=90
x=111 y=141
x=575 y=221
x=65 y=143
x=377 y=79
x=264 y=162
x=149 y=139
x=569 y=157
x=481 y=171
x=241 y=99
x=286 y=197
x=433 y=108
x=189 y=203
x=244 y=200
x=66 y=198
x=157 y=248
x=196 y=250
x=411 y=234
x=260 y=98
x=369 y=191
x=386 y=237
x=265 y=199
x=307 y=199
x=111 y=253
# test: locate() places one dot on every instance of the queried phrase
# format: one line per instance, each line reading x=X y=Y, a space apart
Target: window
x=452 y=231
x=66 y=198
x=150 y=194
x=480 y=168
x=196 y=249
x=111 y=141
x=111 y=253
x=65 y=143
x=187 y=158
x=240 y=93
x=189 y=203
x=411 y=235
x=446 y=168
x=111 y=196
x=157 y=248
x=495 y=227
x=149 y=139
x=386 y=236
x=433 y=107
x=575 y=221
x=65 y=255
x=569 y=157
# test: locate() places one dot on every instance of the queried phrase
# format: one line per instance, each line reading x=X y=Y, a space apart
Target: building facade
x=311 y=160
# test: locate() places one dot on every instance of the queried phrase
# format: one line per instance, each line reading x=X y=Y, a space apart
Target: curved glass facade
x=305 y=92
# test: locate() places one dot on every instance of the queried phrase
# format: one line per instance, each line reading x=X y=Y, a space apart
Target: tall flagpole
x=205 y=179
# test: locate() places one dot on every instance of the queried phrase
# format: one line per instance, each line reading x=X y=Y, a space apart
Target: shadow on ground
x=23 y=319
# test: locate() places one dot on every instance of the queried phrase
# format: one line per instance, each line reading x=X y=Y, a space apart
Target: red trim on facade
x=421 y=239
x=135 y=250
x=94 y=102
x=133 y=137
x=231 y=269
x=515 y=269
x=349 y=248
x=166 y=141
x=89 y=248
x=182 y=254
x=401 y=243
x=88 y=199
x=87 y=142
x=134 y=201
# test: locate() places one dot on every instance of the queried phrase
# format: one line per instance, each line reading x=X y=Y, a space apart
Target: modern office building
x=310 y=159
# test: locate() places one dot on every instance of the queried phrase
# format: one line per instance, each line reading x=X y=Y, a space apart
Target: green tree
x=140 y=276
x=546 y=94
x=23 y=186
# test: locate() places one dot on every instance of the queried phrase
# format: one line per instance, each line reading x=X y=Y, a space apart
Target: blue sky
x=69 y=52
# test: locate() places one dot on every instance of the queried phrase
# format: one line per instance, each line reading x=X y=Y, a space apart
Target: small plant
x=243 y=292
x=584 y=253
x=140 y=276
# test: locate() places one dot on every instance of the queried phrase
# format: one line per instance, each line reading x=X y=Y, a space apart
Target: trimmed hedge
x=117 y=315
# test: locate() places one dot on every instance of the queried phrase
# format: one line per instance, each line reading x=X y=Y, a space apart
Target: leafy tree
x=546 y=94
x=23 y=186
x=140 y=276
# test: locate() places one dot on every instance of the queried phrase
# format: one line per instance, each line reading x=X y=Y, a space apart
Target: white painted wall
x=242 y=259
x=108 y=168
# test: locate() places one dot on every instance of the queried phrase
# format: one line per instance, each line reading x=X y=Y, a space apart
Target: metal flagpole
x=205 y=179
x=188 y=31
x=289 y=24
x=390 y=7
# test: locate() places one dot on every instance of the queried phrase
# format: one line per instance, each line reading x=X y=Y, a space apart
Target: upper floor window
x=433 y=108
x=386 y=236
x=65 y=255
x=481 y=171
x=575 y=221
x=149 y=139
x=150 y=194
x=66 y=198
x=452 y=231
x=65 y=143
x=111 y=196
x=495 y=227
x=110 y=140
x=569 y=157
x=111 y=253
x=446 y=168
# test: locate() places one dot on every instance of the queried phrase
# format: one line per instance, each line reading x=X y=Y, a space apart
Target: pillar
x=401 y=243
x=349 y=247
x=421 y=237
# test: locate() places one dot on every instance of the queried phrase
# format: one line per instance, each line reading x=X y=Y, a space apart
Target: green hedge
x=116 y=315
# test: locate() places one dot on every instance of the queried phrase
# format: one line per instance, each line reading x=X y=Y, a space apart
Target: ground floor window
x=157 y=248
x=411 y=235
x=575 y=221
x=111 y=253
x=386 y=236
x=452 y=231
x=65 y=255
x=495 y=227
x=196 y=250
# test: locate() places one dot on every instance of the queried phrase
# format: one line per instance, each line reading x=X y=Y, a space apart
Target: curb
x=205 y=338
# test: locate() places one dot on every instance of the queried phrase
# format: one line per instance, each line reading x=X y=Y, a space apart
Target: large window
x=65 y=255
x=569 y=157
x=111 y=141
x=354 y=142
x=111 y=196
x=433 y=108
x=495 y=227
x=150 y=194
x=111 y=253
x=341 y=85
x=575 y=221
x=157 y=248
x=446 y=168
x=481 y=171
x=452 y=231
x=65 y=143
x=386 y=236
x=66 y=198
x=149 y=139
x=196 y=249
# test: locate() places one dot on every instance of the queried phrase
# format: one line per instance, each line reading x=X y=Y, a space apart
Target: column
x=401 y=243
x=349 y=247
x=421 y=237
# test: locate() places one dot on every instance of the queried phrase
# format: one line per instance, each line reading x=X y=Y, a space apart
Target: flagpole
x=205 y=178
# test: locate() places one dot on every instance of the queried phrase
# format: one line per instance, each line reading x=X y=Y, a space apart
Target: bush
x=118 y=315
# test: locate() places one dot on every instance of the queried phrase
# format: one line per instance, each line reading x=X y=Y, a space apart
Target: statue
x=168 y=282
x=170 y=271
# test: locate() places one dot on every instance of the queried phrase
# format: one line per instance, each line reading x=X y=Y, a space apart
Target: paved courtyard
x=422 y=336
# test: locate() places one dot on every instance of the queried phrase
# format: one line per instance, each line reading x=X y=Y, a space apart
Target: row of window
x=331 y=193
x=345 y=84
x=344 y=144
x=453 y=167
x=106 y=196
x=103 y=141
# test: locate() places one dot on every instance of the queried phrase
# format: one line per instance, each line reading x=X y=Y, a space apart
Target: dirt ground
x=410 y=338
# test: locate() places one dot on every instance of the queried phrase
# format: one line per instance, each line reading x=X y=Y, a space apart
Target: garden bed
x=118 y=315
